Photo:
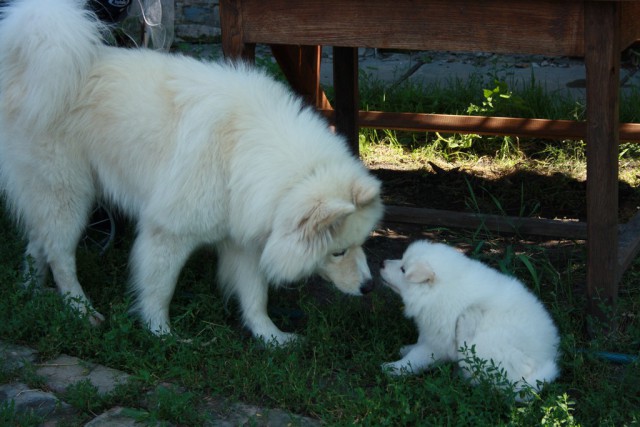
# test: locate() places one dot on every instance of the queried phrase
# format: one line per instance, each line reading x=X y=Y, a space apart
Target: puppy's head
x=320 y=228
x=412 y=272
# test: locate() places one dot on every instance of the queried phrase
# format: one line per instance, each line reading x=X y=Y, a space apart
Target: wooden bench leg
x=602 y=60
x=345 y=84
x=301 y=66
x=233 y=45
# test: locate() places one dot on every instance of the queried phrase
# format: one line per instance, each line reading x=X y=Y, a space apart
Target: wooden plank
x=629 y=27
x=602 y=62
x=547 y=27
x=497 y=223
x=482 y=125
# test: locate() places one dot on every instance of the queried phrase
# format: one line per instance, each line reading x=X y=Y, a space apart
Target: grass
x=334 y=374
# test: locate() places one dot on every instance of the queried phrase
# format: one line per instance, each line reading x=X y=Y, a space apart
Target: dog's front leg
x=240 y=275
x=253 y=296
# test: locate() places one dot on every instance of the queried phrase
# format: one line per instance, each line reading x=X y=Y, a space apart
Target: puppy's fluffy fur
x=457 y=302
x=200 y=153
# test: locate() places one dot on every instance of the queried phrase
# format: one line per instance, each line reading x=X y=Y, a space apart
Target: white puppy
x=457 y=303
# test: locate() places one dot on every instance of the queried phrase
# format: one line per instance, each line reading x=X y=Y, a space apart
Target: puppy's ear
x=421 y=272
x=297 y=244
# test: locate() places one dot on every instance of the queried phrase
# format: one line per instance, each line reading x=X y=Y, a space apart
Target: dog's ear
x=420 y=272
x=365 y=190
x=296 y=244
x=323 y=216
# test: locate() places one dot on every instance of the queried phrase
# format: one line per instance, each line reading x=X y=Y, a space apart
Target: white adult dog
x=200 y=153
x=459 y=303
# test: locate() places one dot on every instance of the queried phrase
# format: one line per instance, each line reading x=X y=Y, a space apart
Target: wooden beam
x=548 y=27
x=482 y=125
x=497 y=223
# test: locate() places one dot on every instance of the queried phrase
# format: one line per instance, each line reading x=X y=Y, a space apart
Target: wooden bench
x=595 y=30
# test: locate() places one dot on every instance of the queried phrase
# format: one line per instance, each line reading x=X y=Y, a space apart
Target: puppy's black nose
x=366 y=287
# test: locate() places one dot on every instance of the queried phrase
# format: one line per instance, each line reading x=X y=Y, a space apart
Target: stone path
x=55 y=376
x=557 y=75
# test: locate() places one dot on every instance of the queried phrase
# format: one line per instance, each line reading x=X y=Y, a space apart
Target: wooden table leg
x=345 y=85
x=233 y=45
x=301 y=66
x=602 y=61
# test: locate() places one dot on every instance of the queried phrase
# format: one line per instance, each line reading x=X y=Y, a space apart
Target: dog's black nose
x=366 y=287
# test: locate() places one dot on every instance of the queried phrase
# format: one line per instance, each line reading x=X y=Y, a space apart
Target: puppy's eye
x=402 y=269
x=339 y=254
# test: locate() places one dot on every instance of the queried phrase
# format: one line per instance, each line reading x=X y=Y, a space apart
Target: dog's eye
x=402 y=269
x=339 y=254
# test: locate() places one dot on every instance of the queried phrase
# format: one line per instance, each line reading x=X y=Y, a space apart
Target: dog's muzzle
x=367 y=287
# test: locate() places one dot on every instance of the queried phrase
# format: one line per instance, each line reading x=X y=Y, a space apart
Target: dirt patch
x=484 y=187
x=524 y=188
x=518 y=192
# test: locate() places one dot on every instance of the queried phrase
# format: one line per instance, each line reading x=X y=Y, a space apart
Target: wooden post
x=602 y=61
x=301 y=67
x=345 y=84
x=233 y=45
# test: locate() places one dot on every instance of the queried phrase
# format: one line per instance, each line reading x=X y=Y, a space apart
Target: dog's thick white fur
x=457 y=303
x=200 y=153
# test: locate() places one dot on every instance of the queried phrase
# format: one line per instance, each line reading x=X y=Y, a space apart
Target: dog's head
x=320 y=228
x=415 y=271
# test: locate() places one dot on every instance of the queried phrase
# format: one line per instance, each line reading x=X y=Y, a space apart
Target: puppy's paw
x=396 y=369
x=404 y=350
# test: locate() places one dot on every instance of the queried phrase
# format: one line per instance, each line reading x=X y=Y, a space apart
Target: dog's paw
x=159 y=328
x=95 y=318
x=84 y=308
x=282 y=339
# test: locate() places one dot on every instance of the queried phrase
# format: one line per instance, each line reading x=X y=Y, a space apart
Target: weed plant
x=334 y=373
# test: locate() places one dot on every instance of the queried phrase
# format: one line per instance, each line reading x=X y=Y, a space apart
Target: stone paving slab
x=63 y=371
x=14 y=356
x=114 y=417
x=41 y=403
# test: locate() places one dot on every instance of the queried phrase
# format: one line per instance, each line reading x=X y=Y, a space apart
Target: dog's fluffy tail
x=47 y=48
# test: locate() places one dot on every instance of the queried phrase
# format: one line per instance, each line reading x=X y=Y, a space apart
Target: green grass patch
x=334 y=373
